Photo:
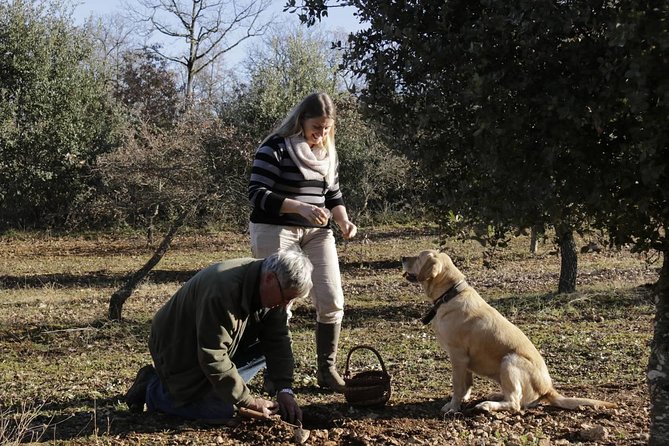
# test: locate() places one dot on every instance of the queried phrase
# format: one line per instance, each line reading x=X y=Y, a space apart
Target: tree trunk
x=658 y=363
x=569 y=260
x=122 y=294
x=150 y=229
x=534 y=239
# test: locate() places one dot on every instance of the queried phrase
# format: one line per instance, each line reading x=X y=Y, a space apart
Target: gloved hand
x=288 y=408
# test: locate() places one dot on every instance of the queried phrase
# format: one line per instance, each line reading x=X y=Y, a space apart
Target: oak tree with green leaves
x=637 y=207
x=526 y=113
x=55 y=113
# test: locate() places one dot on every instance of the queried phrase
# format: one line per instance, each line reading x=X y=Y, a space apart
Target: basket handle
x=367 y=347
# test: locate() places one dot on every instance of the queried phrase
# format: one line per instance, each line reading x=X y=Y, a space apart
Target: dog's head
x=432 y=269
x=421 y=267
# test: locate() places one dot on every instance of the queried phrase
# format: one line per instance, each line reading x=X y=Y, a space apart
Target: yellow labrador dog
x=478 y=339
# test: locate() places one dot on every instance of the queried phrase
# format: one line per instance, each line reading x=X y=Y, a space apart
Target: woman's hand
x=348 y=229
x=314 y=214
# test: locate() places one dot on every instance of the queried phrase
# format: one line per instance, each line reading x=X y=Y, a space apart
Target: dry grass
x=61 y=355
x=18 y=425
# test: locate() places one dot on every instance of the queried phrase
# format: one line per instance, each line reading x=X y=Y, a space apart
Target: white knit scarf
x=314 y=164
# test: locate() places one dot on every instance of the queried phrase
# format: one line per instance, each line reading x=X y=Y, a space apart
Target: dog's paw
x=496 y=406
x=451 y=407
x=486 y=406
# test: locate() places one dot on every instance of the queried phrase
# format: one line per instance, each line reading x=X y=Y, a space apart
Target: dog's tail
x=555 y=399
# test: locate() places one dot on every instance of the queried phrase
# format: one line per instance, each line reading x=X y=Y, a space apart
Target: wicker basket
x=368 y=388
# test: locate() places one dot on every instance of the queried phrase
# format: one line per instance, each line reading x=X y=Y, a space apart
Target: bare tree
x=114 y=36
x=209 y=28
x=166 y=170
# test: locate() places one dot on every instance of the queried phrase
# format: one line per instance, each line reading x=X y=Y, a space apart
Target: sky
x=339 y=19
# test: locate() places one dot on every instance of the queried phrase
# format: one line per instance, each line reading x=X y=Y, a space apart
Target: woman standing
x=294 y=191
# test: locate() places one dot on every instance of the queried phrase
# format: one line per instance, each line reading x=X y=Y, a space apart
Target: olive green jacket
x=197 y=332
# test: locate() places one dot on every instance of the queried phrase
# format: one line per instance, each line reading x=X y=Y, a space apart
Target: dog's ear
x=430 y=268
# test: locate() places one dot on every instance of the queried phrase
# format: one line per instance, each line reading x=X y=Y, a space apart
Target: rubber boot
x=327 y=339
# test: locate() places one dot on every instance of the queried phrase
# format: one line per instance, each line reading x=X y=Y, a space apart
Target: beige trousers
x=318 y=244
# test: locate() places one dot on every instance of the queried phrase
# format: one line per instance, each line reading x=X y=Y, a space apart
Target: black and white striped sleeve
x=265 y=172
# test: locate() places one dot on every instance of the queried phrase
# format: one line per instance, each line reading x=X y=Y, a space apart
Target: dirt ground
x=399 y=423
x=61 y=356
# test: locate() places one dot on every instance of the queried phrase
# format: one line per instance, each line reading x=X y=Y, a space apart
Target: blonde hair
x=316 y=105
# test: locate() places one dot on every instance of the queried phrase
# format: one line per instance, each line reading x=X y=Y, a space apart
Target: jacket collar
x=252 y=287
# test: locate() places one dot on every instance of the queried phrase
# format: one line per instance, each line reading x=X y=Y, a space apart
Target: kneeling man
x=224 y=325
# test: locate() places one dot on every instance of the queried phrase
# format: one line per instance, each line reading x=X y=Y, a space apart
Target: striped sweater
x=275 y=177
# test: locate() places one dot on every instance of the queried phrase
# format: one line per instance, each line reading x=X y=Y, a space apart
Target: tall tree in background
x=55 y=113
x=637 y=206
x=207 y=29
x=380 y=181
x=496 y=101
x=288 y=66
x=113 y=36
x=148 y=88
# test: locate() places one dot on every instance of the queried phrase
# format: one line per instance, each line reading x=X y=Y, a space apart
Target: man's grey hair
x=293 y=269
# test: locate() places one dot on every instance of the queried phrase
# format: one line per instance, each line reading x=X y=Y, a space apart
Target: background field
x=64 y=367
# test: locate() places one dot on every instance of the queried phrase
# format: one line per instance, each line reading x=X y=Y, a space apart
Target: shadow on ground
x=96 y=279
x=56 y=335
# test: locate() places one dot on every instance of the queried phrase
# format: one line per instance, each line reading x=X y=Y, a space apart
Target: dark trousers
x=249 y=361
